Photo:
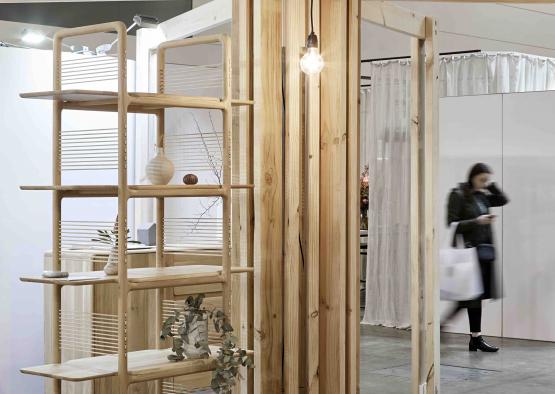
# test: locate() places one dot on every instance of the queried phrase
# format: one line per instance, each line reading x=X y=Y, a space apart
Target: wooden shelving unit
x=150 y=364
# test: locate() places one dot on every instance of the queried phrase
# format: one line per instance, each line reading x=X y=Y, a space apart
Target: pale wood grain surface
x=312 y=223
x=353 y=201
x=394 y=18
x=268 y=239
x=429 y=162
x=333 y=196
x=295 y=36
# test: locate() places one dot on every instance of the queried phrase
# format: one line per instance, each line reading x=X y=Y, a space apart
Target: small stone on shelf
x=190 y=179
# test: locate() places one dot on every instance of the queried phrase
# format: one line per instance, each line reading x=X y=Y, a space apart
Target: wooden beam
x=312 y=222
x=394 y=18
x=268 y=238
x=333 y=195
x=353 y=200
x=56 y=292
x=429 y=162
x=242 y=291
x=295 y=36
x=417 y=120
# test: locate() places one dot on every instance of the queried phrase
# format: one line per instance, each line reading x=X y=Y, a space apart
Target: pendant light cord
x=311 y=16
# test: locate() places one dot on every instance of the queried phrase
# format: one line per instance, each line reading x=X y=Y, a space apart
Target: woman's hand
x=485 y=219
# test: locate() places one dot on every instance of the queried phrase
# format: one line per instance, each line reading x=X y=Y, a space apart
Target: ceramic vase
x=111 y=267
x=159 y=170
x=198 y=333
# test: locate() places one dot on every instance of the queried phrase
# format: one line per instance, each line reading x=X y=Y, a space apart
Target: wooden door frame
x=424 y=162
x=424 y=109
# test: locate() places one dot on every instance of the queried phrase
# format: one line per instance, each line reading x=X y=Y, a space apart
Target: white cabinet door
x=529 y=218
x=470 y=131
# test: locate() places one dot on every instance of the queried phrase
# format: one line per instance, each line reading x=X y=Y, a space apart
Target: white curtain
x=385 y=116
x=490 y=73
x=384 y=128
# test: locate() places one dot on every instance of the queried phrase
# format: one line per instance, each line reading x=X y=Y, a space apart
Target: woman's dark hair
x=476 y=169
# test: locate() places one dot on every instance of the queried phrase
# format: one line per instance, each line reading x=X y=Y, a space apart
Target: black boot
x=478 y=343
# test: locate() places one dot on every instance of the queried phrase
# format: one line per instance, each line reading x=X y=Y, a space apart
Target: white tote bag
x=459 y=270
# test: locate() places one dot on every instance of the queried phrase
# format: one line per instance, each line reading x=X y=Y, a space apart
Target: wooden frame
x=242 y=167
x=423 y=133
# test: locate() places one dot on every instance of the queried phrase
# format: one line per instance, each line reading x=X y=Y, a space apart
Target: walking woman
x=469 y=205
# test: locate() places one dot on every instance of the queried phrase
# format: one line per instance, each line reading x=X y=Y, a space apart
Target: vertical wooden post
x=312 y=222
x=424 y=155
x=295 y=36
x=227 y=130
x=417 y=120
x=160 y=201
x=242 y=286
x=268 y=260
x=353 y=199
x=428 y=163
x=123 y=377
x=56 y=212
x=333 y=192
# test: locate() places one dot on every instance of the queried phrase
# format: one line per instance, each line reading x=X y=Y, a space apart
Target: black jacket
x=465 y=206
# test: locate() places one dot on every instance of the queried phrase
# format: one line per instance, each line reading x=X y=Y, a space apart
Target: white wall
x=26 y=216
x=25 y=220
x=513 y=133
x=529 y=219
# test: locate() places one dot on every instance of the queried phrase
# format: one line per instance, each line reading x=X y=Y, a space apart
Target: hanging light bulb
x=312 y=62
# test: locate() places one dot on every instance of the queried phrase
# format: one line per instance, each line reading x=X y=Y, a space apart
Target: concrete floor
x=520 y=367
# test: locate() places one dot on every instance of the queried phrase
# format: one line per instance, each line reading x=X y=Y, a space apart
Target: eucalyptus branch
x=230 y=357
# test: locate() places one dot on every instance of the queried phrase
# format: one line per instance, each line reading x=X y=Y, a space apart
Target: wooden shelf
x=97 y=100
x=79 y=190
x=141 y=278
x=143 y=365
x=140 y=191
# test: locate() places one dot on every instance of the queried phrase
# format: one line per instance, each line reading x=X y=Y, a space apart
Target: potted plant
x=110 y=238
x=188 y=329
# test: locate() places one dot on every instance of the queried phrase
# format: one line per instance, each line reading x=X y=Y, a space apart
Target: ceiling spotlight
x=31 y=37
x=143 y=21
